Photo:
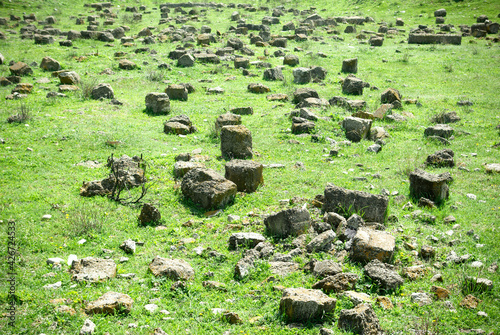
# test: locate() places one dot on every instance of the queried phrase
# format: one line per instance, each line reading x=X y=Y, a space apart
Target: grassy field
x=39 y=176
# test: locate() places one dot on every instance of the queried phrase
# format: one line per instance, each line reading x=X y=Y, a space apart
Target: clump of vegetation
x=86 y=86
x=23 y=115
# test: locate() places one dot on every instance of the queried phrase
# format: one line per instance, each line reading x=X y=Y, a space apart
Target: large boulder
x=110 y=303
x=326 y=268
x=273 y=74
x=20 y=69
x=431 y=186
x=383 y=274
x=174 y=269
x=69 y=78
x=356 y=129
x=371 y=207
x=207 y=188
x=350 y=65
x=300 y=304
x=104 y=91
x=290 y=222
x=157 y=103
x=360 y=320
x=301 y=75
x=369 y=244
x=177 y=92
x=236 y=142
x=247 y=175
x=91 y=269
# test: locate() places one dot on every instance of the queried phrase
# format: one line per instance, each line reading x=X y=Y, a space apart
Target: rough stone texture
x=356 y=129
x=294 y=221
x=182 y=167
x=303 y=93
x=322 y=242
x=50 y=64
x=302 y=126
x=283 y=268
x=318 y=73
x=333 y=219
x=301 y=75
x=358 y=297
x=180 y=124
x=384 y=274
x=376 y=41
x=177 y=92
x=359 y=320
x=69 y=78
x=337 y=283
x=174 y=269
x=92 y=269
x=445 y=118
x=441 y=130
x=389 y=96
x=236 y=142
x=23 y=88
x=126 y=64
x=247 y=175
x=440 y=12
x=346 y=230
x=242 y=110
x=186 y=60
x=350 y=65
x=103 y=91
x=248 y=240
x=20 y=69
x=473 y=284
x=441 y=158
x=273 y=74
x=227 y=119
x=128 y=246
x=291 y=60
x=207 y=188
x=110 y=303
x=258 y=88
x=300 y=304
x=352 y=85
x=88 y=327
x=369 y=244
x=158 y=103
x=430 y=186
x=371 y=207
x=149 y=214
x=435 y=39
x=326 y=268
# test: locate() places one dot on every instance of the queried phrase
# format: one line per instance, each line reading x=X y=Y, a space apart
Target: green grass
x=66 y=131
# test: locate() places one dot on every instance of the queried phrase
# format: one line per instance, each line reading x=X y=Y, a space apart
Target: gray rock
x=273 y=74
x=369 y=244
x=360 y=320
x=110 y=303
x=322 y=242
x=69 y=78
x=104 y=91
x=291 y=60
x=174 y=269
x=157 y=103
x=149 y=214
x=346 y=230
x=283 y=268
x=248 y=240
x=88 y=327
x=247 y=175
x=303 y=93
x=441 y=130
x=430 y=186
x=421 y=298
x=300 y=304
x=441 y=158
x=301 y=75
x=177 y=92
x=371 y=207
x=337 y=283
x=290 y=222
x=182 y=167
x=208 y=188
x=128 y=246
x=92 y=269
x=227 y=119
x=383 y=274
x=333 y=219
x=376 y=148
x=236 y=142
x=350 y=65
x=180 y=125
x=50 y=64
x=326 y=268
x=352 y=85
x=356 y=129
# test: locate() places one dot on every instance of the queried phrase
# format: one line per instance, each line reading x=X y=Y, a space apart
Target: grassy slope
x=31 y=181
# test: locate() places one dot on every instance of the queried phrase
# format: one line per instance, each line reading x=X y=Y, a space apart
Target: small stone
x=128 y=246
x=151 y=308
x=82 y=241
x=46 y=217
x=421 y=298
x=88 y=327
x=53 y=286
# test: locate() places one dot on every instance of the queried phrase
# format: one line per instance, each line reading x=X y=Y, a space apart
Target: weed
x=155 y=75
x=84 y=221
x=23 y=115
x=475 y=51
x=448 y=68
x=405 y=57
x=86 y=87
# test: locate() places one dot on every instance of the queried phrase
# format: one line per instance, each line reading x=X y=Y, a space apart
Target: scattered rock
x=92 y=269
x=247 y=175
x=361 y=320
x=301 y=305
x=110 y=303
x=384 y=274
x=290 y=222
x=174 y=269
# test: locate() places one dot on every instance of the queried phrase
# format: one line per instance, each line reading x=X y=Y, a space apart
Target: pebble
x=471 y=196
x=82 y=241
x=123 y=259
x=476 y=264
x=232 y=218
x=151 y=308
x=483 y=314
x=46 y=217
x=53 y=286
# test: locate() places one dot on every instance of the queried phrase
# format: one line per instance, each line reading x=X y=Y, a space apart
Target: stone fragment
x=383 y=274
x=248 y=240
x=128 y=246
x=441 y=158
x=338 y=283
x=182 y=167
x=326 y=268
x=360 y=320
x=110 y=303
x=350 y=65
x=441 y=130
x=157 y=103
x=352 y=85
x=69 y=78
x=273 y=74
x=430 y=186
x=369 y=244
x=301 y=75
x=356 y=129
x=421 y=298
x=20 y=69
x=50 y=64
x=174 y=269
x=88 y=327
x=227 y=119
x=301 y=305
x=126 y=64
x=104 y=91
x=207 y=188
x=236 y=142
x=92 y=269
x=290 y=222
x=322 y=242
x=247 y=175
x=179 y=125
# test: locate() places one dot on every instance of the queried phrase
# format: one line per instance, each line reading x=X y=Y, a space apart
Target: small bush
x=84 y=221
x=86 y=87
x=23 y=115
x=155 y=75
